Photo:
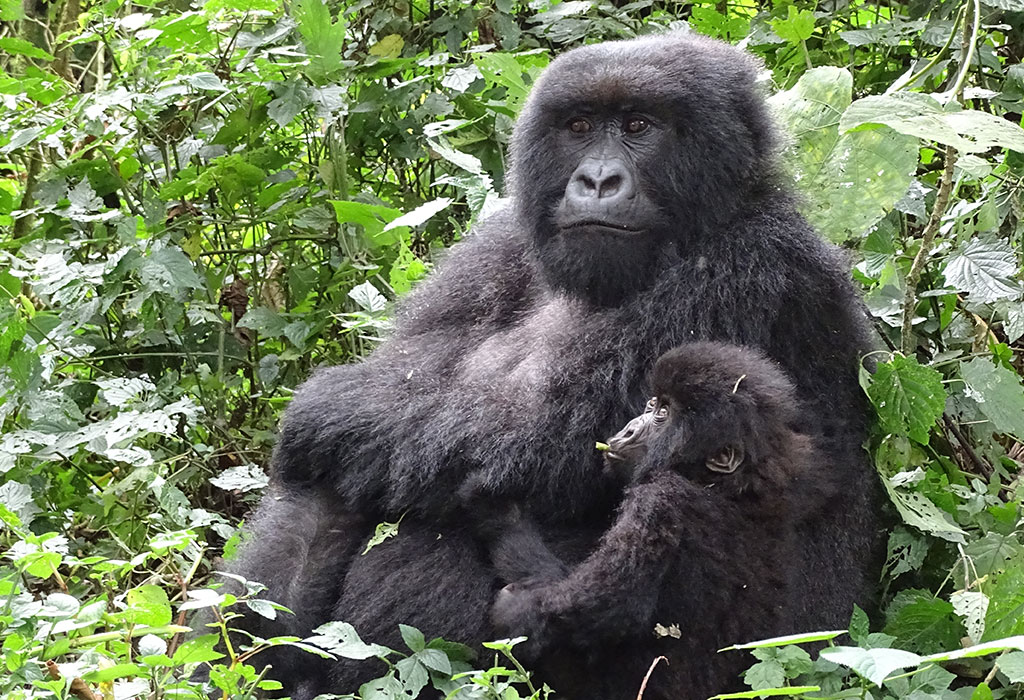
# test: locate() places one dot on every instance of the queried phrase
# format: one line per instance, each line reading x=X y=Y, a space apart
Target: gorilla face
x=627 y=154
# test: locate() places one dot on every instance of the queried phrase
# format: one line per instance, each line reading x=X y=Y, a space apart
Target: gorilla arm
x=613 y=594
x=345 y=422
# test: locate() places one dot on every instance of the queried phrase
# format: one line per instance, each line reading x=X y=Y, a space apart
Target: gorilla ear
x=727 y=461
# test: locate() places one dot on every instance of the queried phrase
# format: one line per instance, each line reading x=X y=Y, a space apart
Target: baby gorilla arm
x=614 y=592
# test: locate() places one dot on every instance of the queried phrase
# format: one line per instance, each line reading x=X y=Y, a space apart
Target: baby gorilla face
x=628 y=447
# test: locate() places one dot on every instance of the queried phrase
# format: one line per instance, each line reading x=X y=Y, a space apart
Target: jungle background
x=201 y=202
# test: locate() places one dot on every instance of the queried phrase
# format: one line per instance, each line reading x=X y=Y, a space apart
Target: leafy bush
x=200 y=203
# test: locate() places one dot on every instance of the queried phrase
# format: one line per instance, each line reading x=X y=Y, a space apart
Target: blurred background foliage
x=200 y=202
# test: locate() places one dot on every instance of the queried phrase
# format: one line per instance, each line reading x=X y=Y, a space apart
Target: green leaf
x=341 y=639
x=848 y=181
x=798 y=25
x=412 y=637
x=323 y=38
x=148 y=605
x=874 y=664
x=859 y=625
x=982 y=692
x=769 y=692
x=389 y=46
x=908 y=397
x=971 y=606
x=1012 y=664
x=918 y=510
x=765 y=674
x=420 y=214
x=921 y=622
x=291 y=99
x=998 y=394
x=198 y=649
x=383 y=532
x=985 y=269
x=916 y=114
x=14 y=45
x=169 y=271
x=788 y=639
x=977 y=650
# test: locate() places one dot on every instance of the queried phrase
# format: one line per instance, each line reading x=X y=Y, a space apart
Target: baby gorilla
x=704 y=539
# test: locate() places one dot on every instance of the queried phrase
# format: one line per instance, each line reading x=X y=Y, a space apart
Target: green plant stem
x=927 y=238
x=965 y=66
x=935 y=59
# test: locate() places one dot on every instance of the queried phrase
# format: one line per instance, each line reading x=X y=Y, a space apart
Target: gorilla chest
x=517 y=361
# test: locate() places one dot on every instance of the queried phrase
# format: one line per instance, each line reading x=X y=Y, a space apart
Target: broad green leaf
x=922 y=622
x=874 y=664
x=916 y=114
x=798 y=25
x=908 y=397
x=389 y=46
x=1012 y=664
x=264 y=321
x=148 y=605
x=14 y=45
x=997 y=392
x=849 y=181
x=197 y=650
x=323 y=38
x=292 y=98
x=412 y=637
x=982 y=692
x=765 y=674
x=985 y=269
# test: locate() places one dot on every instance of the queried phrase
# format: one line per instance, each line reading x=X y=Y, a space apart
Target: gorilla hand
x=518 y=611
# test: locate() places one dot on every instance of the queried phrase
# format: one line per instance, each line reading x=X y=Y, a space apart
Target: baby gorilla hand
x=518 y=611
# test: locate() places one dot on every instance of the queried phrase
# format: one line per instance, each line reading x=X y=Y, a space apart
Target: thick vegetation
x=199 y=203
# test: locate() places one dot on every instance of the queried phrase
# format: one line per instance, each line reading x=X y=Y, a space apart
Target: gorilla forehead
x=650 y=72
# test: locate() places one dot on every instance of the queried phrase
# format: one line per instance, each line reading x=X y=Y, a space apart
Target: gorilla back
x=646 y=213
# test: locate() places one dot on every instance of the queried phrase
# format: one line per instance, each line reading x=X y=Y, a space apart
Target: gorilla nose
x=603 y=182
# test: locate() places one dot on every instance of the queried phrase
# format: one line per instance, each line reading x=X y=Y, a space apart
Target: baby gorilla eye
x=579 y=126
x=636 y=125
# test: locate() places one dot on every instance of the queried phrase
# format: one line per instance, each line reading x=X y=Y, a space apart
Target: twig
x=79 y=688
x=647 y=676
x=914 y=276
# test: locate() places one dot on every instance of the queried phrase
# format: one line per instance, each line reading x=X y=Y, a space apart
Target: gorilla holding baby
x=646 y=213
x=718 y=483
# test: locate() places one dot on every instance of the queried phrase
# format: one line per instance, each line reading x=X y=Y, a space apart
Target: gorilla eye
x=579 y=126
x=662 y=412
x=636 y=125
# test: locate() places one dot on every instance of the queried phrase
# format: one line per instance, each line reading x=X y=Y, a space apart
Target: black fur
x=714 y=553
x=530 y=342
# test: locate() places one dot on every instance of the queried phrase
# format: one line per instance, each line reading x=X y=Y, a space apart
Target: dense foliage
x=200 y=202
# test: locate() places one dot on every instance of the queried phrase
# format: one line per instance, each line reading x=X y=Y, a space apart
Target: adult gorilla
x=646 y=213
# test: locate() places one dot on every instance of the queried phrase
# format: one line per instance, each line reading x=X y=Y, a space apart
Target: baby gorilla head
x=717 y=408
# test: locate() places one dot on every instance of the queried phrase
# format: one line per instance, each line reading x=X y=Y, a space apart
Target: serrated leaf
x=769 y=692
x=14 y=45
x=797 y=26
x=985 y=269
x=323 y=38
x=874 y=664
x=908 y=397
x=849 y=181
x=412 y=637
x=291 y=99
x=169 y=271
x=245 y=477
x=922 y=622
x=765 y=674
x=997 y=392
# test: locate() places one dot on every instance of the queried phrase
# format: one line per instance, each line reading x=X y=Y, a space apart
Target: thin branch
x=927 y=238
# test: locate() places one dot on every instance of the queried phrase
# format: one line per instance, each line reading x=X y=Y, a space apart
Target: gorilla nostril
x=609 y=186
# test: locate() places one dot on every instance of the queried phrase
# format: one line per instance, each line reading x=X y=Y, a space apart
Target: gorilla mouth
x=600 y=223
